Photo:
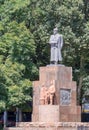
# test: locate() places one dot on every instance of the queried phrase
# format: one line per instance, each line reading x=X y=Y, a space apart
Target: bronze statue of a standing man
x=56 y=42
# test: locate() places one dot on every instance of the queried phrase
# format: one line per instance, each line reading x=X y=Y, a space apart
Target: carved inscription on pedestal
x=65 y=96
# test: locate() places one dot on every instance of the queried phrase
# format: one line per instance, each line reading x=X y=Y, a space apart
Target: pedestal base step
x=50 y=126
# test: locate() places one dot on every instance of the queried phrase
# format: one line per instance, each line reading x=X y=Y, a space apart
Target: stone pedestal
x=49 y=113
x=65 y=95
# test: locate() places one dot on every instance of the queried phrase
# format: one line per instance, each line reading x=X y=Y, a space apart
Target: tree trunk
x=18 y=115
x=5 y=118
x=79 y=89
x=80 y=79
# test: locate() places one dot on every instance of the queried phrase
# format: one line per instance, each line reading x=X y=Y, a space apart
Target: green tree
x=17 y=50
x=25 y=27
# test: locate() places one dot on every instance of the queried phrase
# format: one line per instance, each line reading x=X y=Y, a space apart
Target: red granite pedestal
x=65 y=95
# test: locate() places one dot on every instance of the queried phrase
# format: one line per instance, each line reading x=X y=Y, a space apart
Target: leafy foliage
x=17 y=50
x=25 y=27
x=85 y=86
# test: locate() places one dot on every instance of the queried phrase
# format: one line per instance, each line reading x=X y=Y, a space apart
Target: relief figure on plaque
x=47 y=94
x=44 y=95
x=51 y=92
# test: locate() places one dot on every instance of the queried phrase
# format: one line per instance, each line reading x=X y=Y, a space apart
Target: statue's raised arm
x=56 y=42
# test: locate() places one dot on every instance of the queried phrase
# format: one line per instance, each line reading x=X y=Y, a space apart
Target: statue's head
x=55 y=30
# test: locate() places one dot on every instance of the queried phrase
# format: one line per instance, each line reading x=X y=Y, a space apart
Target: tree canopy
x=25 y=27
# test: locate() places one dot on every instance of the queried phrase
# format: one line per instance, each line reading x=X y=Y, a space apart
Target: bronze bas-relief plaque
x=65 y=96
